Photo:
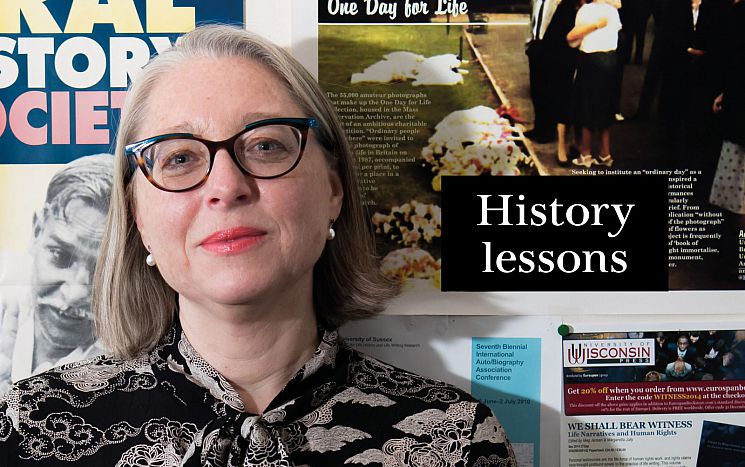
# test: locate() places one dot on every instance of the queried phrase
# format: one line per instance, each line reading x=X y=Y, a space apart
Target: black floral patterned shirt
x=171 y=408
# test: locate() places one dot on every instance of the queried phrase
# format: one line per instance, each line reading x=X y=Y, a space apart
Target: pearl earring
x=332 y=233
x=149 y=260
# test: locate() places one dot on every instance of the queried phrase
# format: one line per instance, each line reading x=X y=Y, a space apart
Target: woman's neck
x=257 y=352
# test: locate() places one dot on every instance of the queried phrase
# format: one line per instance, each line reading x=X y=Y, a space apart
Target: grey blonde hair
x=133 y=306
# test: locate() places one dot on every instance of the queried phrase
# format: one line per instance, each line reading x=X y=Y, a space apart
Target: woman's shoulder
x=369 y=373
x=76 y=412
x=584 y=9
x=89 y=376
x=586 y=13
x=75 y=386
x=597 y=8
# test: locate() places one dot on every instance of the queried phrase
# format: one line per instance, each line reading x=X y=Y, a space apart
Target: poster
x=410 y=127
x=64 y=69
x=653 y=397
x=508 y=363
x=409 y=92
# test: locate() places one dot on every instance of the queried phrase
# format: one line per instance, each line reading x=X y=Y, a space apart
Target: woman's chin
x=236 y=291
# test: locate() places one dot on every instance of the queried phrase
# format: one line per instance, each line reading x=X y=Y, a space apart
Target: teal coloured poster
x=506 y=376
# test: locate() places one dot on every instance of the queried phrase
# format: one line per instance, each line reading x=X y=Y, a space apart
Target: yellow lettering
x=163 y=17
x=84 y=14
x=37 y=16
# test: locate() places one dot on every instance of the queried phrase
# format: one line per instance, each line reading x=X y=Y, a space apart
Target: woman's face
x=234 y=240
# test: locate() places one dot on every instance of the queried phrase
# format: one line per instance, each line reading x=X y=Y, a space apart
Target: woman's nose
x=227 y=184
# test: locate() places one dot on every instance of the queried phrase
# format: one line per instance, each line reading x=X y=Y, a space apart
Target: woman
x=596 y=33
x=564 y=77
x=220 y=283
x=728 y=188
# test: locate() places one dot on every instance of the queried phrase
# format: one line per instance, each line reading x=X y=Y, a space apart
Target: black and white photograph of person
x=49 y=322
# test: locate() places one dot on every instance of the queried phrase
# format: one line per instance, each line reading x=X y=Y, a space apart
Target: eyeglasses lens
x=176 y=164
x=266 y=151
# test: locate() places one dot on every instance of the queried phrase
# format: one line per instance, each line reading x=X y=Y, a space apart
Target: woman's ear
x=141 y=230
x=337 y=194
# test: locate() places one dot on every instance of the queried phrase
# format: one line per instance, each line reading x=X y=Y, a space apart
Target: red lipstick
x=233 y=240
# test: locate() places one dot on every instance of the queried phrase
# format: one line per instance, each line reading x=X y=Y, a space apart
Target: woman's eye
x=267 y=146
x=178 y=159
x=266 y=151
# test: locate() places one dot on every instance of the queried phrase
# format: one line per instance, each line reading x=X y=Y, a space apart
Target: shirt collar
x=176 y=357
x=233 y=436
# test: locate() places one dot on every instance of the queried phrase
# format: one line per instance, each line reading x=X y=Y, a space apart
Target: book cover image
x=410 y=96
x=427 y=93
x=64 y=70
x=653 y=397
x=721 y=445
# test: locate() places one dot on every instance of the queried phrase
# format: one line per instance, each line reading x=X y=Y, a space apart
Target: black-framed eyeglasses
x=181 y=161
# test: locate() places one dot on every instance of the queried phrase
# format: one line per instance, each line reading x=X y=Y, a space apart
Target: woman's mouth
x=233 y=240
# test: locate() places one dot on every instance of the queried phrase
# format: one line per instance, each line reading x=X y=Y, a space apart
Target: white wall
x=289 y=23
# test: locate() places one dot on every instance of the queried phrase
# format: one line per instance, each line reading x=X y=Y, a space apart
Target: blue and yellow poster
x=64 y=71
